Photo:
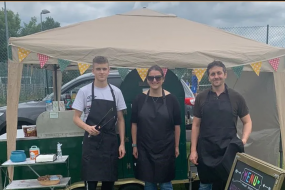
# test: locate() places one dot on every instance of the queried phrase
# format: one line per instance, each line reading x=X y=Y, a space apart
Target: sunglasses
x=157 y=78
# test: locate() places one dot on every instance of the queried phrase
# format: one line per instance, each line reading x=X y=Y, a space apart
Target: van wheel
x=131 y=187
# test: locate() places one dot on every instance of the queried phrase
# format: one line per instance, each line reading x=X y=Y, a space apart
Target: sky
x=216 y=14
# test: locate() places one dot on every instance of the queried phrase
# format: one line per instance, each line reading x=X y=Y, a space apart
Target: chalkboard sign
x=250 y=173
x=247 y=177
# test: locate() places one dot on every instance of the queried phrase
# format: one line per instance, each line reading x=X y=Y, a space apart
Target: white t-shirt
x=83 y=98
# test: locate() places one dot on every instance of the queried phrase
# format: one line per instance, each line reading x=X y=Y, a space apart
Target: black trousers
x=220 y=185
x=106 y=185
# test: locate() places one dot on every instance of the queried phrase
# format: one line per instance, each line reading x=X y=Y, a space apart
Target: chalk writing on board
x=251 y=178
x=247 y=177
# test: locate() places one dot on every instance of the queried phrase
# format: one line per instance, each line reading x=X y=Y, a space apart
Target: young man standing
x=214 y=141
x=101 y=103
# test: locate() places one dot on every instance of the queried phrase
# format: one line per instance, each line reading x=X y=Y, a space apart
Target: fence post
x=267 y=33
x=7 y=32
x=47 y=90
x=281 y=152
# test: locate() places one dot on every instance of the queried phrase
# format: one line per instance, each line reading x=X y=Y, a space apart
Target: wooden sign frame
x=260 y=168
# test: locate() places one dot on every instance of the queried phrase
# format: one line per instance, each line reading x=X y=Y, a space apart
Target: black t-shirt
x=238 y=103
x=171 y=103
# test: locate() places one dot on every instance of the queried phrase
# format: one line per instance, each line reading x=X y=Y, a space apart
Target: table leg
x=6 y=174
x=67 y=165
x=68 y=173
x=1 y=181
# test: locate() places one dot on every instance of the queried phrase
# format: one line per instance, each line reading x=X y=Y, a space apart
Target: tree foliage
x=33 y=26
x=14 y=26
x=16 y=30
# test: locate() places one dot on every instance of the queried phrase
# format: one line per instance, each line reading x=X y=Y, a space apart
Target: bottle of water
x=59 y=152
x=48 y=105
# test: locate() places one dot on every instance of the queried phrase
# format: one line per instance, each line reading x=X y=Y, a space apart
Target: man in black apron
x=214 y=141
x=103 y=103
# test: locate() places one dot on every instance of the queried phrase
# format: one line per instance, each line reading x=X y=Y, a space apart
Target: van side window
x=72 y=91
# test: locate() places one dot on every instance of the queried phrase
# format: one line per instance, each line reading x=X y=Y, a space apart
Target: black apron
x=100 y=153
x=155 y=143
x=218 y=142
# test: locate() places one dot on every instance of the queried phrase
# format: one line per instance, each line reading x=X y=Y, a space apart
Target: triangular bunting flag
x=10 y=52
x=274 y=63
x=43 y=59
x=142 y=72
x=256 y=67
x=237 y=70
x=164 y=71
x=83 y=67
x=199 y=73
x=63 y=64
x=22 y=54
x=123 y=72
x=180 y=72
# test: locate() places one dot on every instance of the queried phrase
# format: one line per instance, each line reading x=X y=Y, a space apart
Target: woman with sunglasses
x=156 y=123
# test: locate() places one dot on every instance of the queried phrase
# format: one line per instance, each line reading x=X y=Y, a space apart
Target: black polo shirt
x=239 y=106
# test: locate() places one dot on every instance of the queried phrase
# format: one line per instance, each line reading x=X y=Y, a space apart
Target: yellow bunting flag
x=83 y=67
x=256 y=67
x=22 y=54
x=199 y=73
x=142 y=72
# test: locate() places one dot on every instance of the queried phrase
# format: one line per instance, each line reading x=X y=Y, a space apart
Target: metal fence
x=35 y=83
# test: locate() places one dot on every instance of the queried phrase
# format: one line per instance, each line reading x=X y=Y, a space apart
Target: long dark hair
x=155 y=68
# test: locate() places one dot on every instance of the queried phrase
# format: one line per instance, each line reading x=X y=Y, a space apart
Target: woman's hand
x=176 y=151
x=122 y=151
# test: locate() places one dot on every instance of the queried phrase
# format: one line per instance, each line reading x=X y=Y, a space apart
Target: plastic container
x=18 y=156
x=73 y=96
x=49 y=105
x=34 y=151
x=30 y=130
x=68 y=102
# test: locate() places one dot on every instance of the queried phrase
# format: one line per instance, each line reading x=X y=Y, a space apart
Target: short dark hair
x=218 y=64
x=155 y=68
x=100 y=60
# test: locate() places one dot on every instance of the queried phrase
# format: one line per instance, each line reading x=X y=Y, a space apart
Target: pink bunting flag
x=43 y=59
x=164 y=71
x=274 y=63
